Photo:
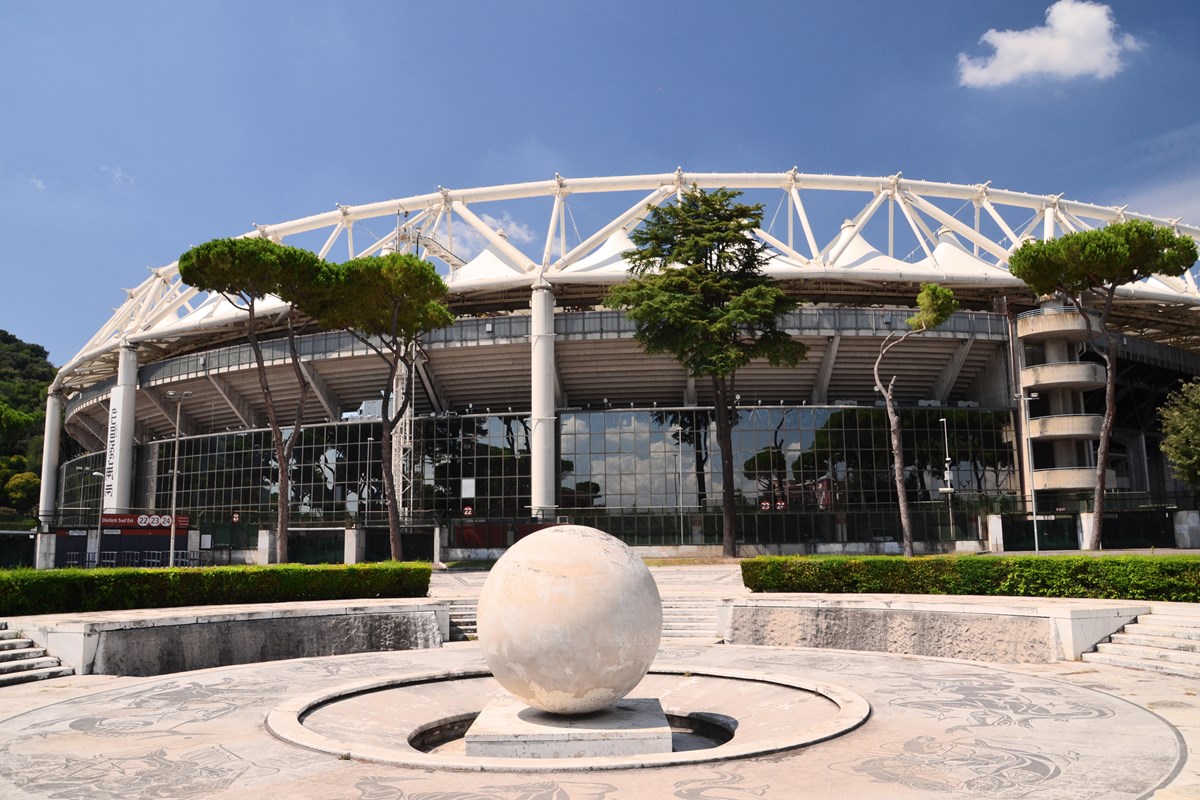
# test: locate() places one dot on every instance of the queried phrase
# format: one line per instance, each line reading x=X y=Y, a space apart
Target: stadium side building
x=537 y=405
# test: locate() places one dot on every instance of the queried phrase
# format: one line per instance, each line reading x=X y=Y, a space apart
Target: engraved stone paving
x=938 y=729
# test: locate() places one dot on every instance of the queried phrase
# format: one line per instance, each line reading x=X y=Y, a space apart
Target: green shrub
x=1168 y=578
x=26 y=591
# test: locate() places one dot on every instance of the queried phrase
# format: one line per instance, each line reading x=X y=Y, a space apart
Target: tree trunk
x=700 y=447
x=1093 y=541
x=389 y=421
x=725 y=445
x=906 y=531
x=283 y=484
x=389 y=489
x=289 y=446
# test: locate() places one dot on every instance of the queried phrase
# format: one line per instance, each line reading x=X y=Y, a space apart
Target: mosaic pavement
x=938 y=729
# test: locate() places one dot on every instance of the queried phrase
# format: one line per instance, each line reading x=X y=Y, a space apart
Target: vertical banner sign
x=110 y=458
x=122 y=412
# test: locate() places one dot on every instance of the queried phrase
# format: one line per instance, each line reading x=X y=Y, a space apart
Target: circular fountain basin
x=419 y=720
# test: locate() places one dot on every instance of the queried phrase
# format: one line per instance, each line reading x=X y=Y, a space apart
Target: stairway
x=689 y=618
x=462 y=618
x=1167 y=642
x=683 y=618
x=22 y=661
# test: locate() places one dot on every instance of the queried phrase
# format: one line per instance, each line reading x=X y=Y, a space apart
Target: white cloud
x=1167 y=167
x=1079 y=39
x=1171 y=197
x=1174 y=149
x=469 y=243
x=119 y=176
x=515 y=231
x=36 y=183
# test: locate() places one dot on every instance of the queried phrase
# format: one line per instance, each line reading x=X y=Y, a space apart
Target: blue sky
x=134 y=130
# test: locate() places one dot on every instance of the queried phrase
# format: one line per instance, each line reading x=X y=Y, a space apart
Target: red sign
x=137 y=521
x=764 y=505
x=468 y=511
x=236 y=517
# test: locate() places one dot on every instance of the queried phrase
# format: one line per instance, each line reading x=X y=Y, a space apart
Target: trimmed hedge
x=27 y=591
x=1169 y=578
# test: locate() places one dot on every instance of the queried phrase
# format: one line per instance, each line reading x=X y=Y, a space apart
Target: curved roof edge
x=164 y=312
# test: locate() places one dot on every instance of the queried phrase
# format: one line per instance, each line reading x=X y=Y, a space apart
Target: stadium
x=537 y=405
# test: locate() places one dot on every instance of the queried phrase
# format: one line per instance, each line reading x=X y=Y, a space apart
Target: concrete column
x=51 y=436
x=543 y=469
x=122 y=407
x=46 y=547
x=402 y=440
x=93 y=548
x=1086 y=519
x=438 y=533
x=354 y=549
x=266 y=547
x=1187 y=529
x=995 y=533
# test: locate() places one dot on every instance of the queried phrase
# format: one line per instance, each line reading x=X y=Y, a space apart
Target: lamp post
x=679 y=486
x=100 y=513
x=948 y=489
x=1025 y=401
x=178 y=398
x=367 y=493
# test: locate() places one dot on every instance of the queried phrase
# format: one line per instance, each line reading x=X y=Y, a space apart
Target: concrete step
x=27 y=664
x=463 y=613
x=689 y=623
x=11 y=679
x=1134 y=635
x=18 y=655
x=15 y=644
x=1147 y=629
x=1171 y=620
x=1161 y=667
x=7 y=634
x=1150 y=653
x=1179 y=609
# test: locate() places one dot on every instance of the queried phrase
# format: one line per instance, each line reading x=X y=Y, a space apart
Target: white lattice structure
x=897 y=234
x=163 y=314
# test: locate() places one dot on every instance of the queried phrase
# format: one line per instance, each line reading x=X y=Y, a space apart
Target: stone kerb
x=1007 y=630
x=165 y=640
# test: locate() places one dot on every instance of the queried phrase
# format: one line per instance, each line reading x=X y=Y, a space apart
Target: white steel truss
x=163 y=315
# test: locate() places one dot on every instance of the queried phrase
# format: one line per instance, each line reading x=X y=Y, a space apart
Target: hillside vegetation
x=25 y=373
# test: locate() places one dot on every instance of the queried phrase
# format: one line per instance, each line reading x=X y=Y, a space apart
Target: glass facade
x=801 y=473
x=817 y=458
x=329 y=474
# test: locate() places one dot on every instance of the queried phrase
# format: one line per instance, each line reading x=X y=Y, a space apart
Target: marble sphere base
x=569 y=619
x=507 y=728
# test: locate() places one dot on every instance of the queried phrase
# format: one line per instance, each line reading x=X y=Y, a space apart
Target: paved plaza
x=937 y=728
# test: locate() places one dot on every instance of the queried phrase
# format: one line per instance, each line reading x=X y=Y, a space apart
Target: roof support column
x=51 y=439
x=122 y=407
x=544 y=433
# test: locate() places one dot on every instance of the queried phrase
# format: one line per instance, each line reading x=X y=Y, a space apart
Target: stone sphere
x=569 y=619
